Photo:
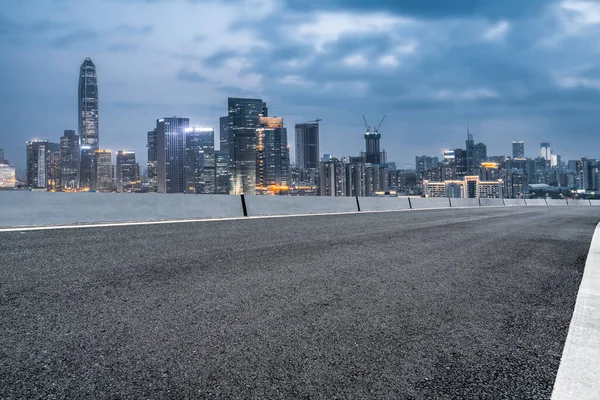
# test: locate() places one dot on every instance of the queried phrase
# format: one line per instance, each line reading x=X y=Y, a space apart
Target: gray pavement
x=463 y=303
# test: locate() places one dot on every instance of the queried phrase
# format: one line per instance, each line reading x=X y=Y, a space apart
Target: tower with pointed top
x=88 y=121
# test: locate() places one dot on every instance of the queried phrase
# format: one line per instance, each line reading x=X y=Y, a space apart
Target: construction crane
x=379 y=126
x=367 y=127
x=316 y=120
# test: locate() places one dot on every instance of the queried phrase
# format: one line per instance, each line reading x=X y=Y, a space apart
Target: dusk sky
x=511 y=69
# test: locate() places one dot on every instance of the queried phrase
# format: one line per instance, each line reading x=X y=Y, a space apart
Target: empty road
x=457 y=304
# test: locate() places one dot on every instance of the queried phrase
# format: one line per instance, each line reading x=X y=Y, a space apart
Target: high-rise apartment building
x=224 y=134
x=69 y=160
x=545 y=151
x=171 y=154
x=103 y=173
x=127 y=171
x=307 y=147
x=244 y=120
x=7 y=175
x=198 y=140
x=88 y=121
x=518 y=149
x=273 y=155
x=37 y=163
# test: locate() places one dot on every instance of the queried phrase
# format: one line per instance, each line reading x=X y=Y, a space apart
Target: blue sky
x=512 y=69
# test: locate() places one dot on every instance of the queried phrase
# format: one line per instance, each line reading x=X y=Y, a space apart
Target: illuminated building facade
x=103 y=170
x=127 y=171
x=69 y=160
x=7 y=175
x=54 y=170
x=469 y=187
x=88 y=121
x=244 y=120
x=151 y=169
x=171 y=154
x=224 y=134
x=216 y=172
x=272 y=155
x=37 y=163
x=198 y=141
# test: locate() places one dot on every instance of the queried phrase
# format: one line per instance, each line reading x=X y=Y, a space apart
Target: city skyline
x=335 y=71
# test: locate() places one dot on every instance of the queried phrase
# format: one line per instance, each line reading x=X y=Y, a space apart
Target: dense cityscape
x=254 y=158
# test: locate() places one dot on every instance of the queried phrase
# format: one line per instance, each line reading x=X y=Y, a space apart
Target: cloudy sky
x=511 y=69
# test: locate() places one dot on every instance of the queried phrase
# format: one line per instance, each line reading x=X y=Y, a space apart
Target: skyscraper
x=37 y=163
x=372 y=145
x=470 y=148
x=273 y=155
x=518 y=149
x=88 y=121
x=244 y=121
x=546 y=151
x=479 y=154
x=69 y=160
x=224 y=134
x=53 y=161
x=197 y=142
x=307 y=148
x=152 y=147
x=170 y=154
x=127 y=172
x=1 y=155
x=103 y=170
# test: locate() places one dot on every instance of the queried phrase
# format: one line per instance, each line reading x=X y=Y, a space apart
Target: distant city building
x=170 y=154
x=37 y=163
x=103 y=170
x=198 y=141
x=546 y=151
x=216 y=172
x=127 y=171
x=53 y=158
x=518 y=149
x=88 y=121
x=307 y=149
x=273 y=155
x=151 y=166
x=244 y=120
x=468 y=187
x=224 y=134
x=555 y=160
x=332 y=178
x=69 y=160
x=7 y=176
x=1 y=155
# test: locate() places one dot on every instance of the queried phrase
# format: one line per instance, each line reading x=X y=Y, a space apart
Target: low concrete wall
x=514 y=202
x=455 y=202
x=536 y=202
x=436 y=202
x=24 y=208
x=595 y=202
x=383 y=203
x=556 y=202
x=493 y=202
x=285 y=205
x=578 y=202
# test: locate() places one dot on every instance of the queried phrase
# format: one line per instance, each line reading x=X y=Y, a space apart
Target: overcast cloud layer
x=512 y=69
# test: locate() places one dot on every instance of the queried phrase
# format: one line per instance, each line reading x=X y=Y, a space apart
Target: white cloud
x=388 y=60
x=582 y=12
x=497 y=32
x=355 y=60
x=293 y=80
x=573 y=82
x=466 y=94
x=326 y=27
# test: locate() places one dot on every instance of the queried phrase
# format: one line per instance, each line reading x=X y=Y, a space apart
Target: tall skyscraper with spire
x=88 y=121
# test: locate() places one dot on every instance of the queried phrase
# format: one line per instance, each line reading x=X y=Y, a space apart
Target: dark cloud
x=188 y=76
x=79 y=36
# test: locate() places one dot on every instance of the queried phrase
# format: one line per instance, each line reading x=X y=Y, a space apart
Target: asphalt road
x=464 y=304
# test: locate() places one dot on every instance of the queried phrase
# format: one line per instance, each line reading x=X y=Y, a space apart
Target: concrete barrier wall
x=514 y=202
x=464 y=202
x=578 y=202
x=536 y=202
x=383 y=203
x=556 y=202
x=437 y=202
x=595 y=202
x=285 y=205
x=24 y=208
x=493 y=202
